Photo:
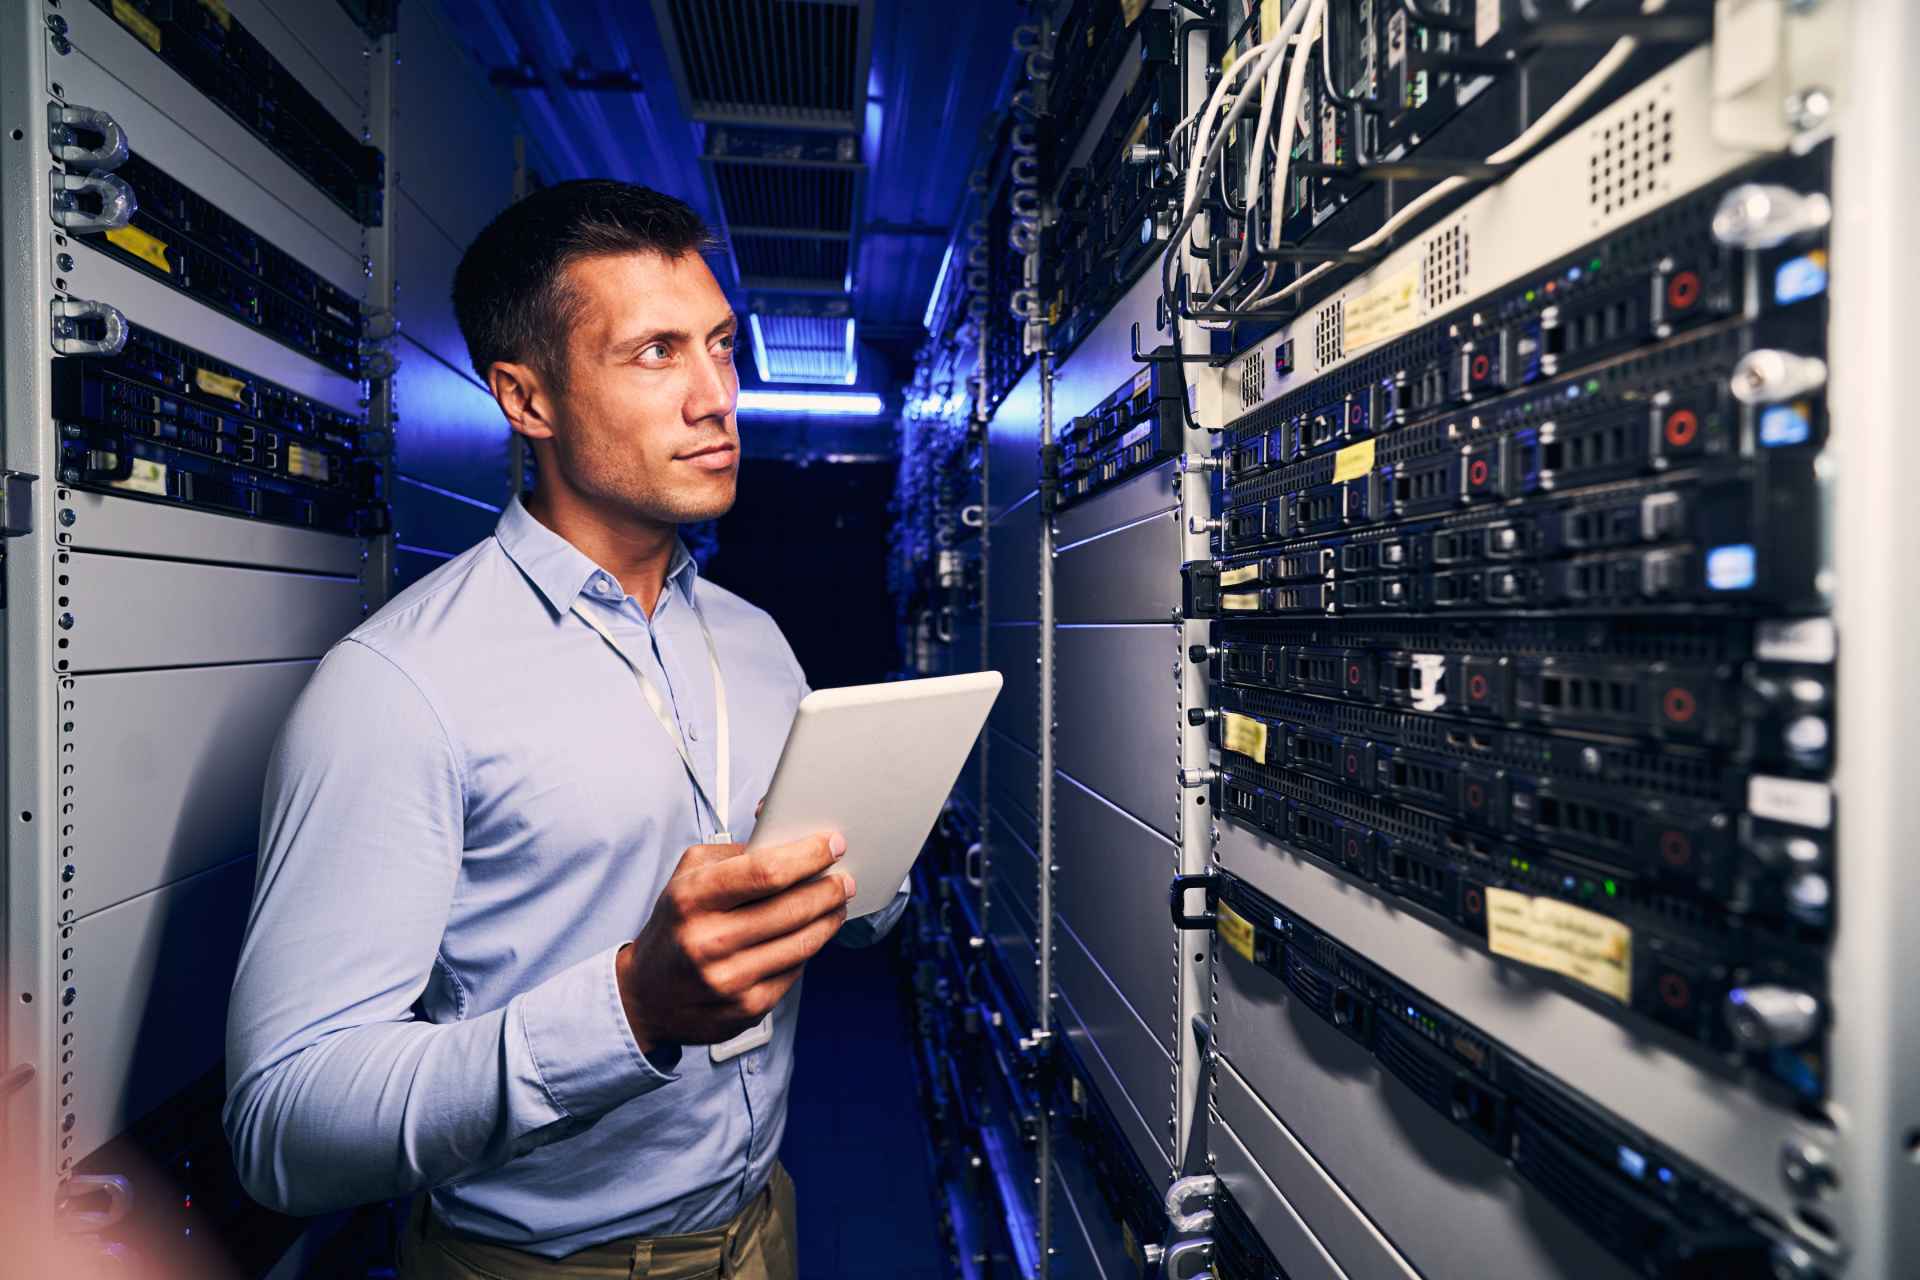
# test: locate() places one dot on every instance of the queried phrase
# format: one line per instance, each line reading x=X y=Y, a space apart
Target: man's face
x=646 y=424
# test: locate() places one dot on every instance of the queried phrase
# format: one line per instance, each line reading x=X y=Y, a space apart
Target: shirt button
x=693 y=734
x=603 y=587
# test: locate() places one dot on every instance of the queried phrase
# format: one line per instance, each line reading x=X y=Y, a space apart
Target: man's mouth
x=716 y=457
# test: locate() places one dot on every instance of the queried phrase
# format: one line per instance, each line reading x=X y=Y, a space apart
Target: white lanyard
x=716 y=801
x=761 y=1032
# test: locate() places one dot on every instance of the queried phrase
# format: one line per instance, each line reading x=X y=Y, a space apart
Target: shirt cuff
x=581 y=1045
x=870 y=928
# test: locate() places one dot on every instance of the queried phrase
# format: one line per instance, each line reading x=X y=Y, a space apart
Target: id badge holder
x=752 y=1038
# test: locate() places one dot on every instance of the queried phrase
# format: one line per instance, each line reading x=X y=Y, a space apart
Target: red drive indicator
x=1477 y=688
x=1683 y=426
x=1353 y=674
x=1476 y=795
x=1482 y=366
x=1679 y=706
x=1477 y=472
x=1353 y=850
x=1675 y=991
x=1675 y=849
x=1353 y=764
x=1475 y=903
x=1683 y=290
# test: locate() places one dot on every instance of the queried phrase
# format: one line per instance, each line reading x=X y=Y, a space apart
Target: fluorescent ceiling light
x=939 y=283
x=845 y=404
x=759 y=348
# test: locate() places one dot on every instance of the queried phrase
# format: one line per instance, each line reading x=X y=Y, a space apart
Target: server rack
x=201 y=472
x=1363 y=1079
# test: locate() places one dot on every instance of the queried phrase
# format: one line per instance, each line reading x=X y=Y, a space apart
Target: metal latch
x=75 y=193
x=16 y=503
x=68 y=127
x=71 y=324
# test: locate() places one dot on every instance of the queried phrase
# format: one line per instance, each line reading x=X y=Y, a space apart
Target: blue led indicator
x=1800 y=278
x=1784 y=424
x=1733 y=567
x=1573 y=393
x=1411 y=1013
x=1632 y=1163
x=1573 y=273
x=1665 y=1175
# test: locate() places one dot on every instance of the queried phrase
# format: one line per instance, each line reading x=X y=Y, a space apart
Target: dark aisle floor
x=854 y=1142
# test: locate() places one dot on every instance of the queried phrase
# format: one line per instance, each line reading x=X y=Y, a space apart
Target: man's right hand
x=728 y=938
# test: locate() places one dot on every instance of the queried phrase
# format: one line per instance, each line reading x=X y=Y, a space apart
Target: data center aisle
x=853 y=1142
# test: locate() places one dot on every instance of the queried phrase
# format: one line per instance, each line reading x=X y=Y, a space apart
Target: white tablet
x=875 y=762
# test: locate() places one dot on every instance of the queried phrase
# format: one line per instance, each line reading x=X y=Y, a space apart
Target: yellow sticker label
x=1583 y=945
x=215 y=384
x=1270 y=19
x=1382 y=312
x=149 y=249
x=138 y=23
x=1353 y=461
x=148 y=477
x=1245 y=573
x=218 y=8
x=1234 y=931
x=1241 y=601
x=1129 y=9
x=308 y=464
x=1244 y=736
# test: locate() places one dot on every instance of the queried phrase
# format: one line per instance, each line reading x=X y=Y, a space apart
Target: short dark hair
x=509 y=291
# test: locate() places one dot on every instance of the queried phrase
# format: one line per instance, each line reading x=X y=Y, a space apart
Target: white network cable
x=1532 y=136
x=1300 y=29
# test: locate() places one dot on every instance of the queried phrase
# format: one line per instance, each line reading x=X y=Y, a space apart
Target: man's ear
x=523 y=397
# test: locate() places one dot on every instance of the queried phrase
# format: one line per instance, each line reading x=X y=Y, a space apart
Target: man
x=505 y=949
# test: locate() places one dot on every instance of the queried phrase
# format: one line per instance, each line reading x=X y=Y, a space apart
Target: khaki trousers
x=759 y=1244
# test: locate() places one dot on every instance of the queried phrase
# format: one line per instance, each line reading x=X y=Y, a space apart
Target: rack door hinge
x=16 y=503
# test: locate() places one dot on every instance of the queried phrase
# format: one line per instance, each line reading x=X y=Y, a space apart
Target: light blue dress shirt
x=470 y=810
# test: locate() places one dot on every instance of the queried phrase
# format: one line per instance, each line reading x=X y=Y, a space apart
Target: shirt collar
x=560 y=571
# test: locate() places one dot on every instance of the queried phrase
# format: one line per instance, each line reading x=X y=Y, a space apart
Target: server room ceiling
x=829 y=139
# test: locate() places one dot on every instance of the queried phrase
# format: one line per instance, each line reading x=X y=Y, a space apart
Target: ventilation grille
x=791 y=199
x=1632 y=157
x=804 y=348
x=1443 y=268
x=771 y=62
x=785 y=262
x=1330 y=334
x=1253 y=379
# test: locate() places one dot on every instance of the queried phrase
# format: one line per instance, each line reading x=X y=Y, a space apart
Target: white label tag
x=1809 y=640
x=1805 y=804
x=752 y=1038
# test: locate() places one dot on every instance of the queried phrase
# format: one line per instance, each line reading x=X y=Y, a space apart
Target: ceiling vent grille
x=798 y=63
x=788 y=262
x=774 y=196
x=804 y=348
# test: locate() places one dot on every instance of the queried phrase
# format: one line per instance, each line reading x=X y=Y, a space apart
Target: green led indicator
x=1611 y=890
x=1594 y=265
x=1593 y=386
x=1529 y=295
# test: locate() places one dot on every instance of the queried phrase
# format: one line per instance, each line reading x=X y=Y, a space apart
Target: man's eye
x=658 y=351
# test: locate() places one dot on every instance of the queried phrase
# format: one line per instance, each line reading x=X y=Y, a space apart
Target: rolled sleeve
x=577 y=1037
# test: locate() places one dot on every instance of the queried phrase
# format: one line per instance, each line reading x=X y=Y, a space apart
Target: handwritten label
x=1234 y=930
x=1382 y=312
x=147 y=476
x=215 y=384
x=138 y=23
x=1244 y=736
x=149 y=249
x=1240 y=601
x=1571 y=941
x=1353 y=461
x=1244 y=573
